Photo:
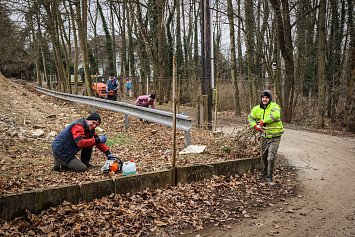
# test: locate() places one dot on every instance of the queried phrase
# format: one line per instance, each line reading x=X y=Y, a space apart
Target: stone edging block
x=14 y=205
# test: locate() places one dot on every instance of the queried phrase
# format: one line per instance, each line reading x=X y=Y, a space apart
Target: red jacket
x=74 y=138
x=86 y=138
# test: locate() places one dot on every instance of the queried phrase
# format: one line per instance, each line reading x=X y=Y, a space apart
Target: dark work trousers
x=269 y=147
x=75 y=164
x=86 y=155
x=112 y=97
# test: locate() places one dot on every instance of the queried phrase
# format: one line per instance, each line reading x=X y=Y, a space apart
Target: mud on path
x=325 y=205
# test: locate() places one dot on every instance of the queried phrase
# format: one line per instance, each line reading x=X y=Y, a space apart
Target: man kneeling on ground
x=79 y=135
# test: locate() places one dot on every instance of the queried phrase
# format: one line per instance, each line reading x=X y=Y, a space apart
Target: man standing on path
x=266 y=119
x=79 y=135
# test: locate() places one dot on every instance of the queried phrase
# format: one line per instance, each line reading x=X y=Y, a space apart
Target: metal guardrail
x=153 y=115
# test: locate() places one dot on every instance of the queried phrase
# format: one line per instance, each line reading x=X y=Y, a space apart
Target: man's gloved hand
x=258 y=128
x=112 y=157
x=103 y=138
x=261 y=123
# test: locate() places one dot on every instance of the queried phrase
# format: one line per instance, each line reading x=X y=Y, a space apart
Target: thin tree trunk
x=349 y=117
x=282 y=16
x=321 y=63
x=81 y=18
x=36 y=45
x=234 y=74
x=108 y=43
x=76 y=49
x=113 y=41
x=250 y=46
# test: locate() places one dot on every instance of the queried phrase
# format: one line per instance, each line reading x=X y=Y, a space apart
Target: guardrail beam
x=153 y=115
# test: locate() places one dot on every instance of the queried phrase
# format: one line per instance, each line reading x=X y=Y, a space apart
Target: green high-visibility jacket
x=271 y=116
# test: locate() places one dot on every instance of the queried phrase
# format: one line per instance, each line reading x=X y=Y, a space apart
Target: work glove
x=261 y=123
x=103 y=138
x=258 y=128
x=111 y=157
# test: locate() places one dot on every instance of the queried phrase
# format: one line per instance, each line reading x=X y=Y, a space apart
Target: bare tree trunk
x=349 y=117
x=81 y=19
x=233 y=69
x=98 y=58
x=114 y=42
x=277 y=74
x=250 y=45
x=169 y=51
x=40 y=47
x=52 y=21
x=108 y=43
x=239 y=41
x=334 y=56
x=160 y=36
x=131 y=65
x=122 y=20
x=76 y=48
x=282 y=16
x=67 y=52
x=304 y=44
x=321 y=63
x=36 y=45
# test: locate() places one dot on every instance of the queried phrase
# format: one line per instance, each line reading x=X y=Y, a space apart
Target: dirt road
x=325 y=205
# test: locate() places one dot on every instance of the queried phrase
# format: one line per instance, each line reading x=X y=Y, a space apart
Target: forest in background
x=302 y=50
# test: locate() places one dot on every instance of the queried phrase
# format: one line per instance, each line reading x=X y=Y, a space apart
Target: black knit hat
x=266 y=93
x=152 y=96
x=94 y=116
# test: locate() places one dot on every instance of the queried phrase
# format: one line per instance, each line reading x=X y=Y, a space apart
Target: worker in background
x=146 y=101
x=266 y=119
x=128 y=87
x=112 y=86
x=79 y=136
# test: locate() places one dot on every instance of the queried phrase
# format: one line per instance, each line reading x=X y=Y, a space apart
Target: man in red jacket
x=79 y=135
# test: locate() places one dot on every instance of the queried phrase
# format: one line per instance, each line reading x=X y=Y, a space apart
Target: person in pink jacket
x=146 y=100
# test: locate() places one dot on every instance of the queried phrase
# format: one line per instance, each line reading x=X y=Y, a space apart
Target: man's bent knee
x=77 y=165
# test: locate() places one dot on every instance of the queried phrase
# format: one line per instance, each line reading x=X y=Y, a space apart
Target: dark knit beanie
x=266 y=93
x=152 y=96
x=94 y=116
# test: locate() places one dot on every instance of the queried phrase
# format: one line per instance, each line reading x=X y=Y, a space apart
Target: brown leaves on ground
x=163 y=212
x=26 y=164
x=26 y=159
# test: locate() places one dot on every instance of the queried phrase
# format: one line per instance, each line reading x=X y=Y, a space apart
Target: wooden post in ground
x=174 y=180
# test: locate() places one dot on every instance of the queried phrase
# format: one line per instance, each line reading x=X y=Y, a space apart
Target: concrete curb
x=14 y=205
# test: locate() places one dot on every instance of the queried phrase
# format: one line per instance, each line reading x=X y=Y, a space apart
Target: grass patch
x=119 y=139
x=226 y=149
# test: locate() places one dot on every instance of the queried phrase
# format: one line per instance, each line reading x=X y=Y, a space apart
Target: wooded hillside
x=302 y=50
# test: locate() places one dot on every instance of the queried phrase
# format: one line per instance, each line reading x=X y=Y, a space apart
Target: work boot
x=57 y=167
x=264 y=166
x=64 y=168
x=89 y=165
x=263 y=173
x=270 y=168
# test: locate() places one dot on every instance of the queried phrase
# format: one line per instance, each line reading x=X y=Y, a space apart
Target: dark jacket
x=73 y=138
x=112 y=85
